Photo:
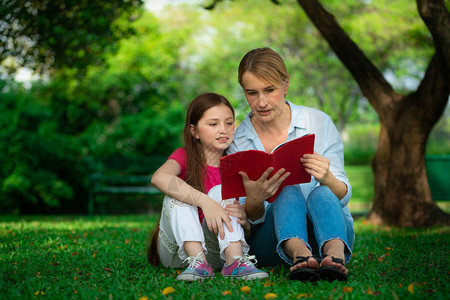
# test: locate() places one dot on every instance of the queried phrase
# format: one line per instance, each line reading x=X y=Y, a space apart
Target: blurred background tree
x=116 y=86
x=46 y=35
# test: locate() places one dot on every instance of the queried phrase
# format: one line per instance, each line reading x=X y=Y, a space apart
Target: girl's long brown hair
x=196 y=161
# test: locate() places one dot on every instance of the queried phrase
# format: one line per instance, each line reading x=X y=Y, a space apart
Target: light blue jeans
x=315 y=221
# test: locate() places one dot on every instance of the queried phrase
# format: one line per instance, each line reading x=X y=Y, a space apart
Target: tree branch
x=437 y=77
x=437 y=19
x=372 y=83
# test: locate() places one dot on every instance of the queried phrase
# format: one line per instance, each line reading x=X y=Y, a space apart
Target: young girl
x=191 y=229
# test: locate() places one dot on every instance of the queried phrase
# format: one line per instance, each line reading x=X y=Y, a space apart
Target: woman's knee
x=290 y=199
x=322 y=194
x=290 y=193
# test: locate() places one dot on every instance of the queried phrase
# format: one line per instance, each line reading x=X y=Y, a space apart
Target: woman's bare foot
x=310 y=263
x=328 y=261
x=334 y=248
x=297 y=249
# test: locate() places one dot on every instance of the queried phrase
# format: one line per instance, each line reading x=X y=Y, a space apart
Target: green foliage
x=130 y=102
x=360 y=143
x=60 y=131
x=43 y=35
x=37 y=160
x=104 y=257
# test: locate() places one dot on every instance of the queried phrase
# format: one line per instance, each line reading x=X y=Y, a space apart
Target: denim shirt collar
x=297 y=122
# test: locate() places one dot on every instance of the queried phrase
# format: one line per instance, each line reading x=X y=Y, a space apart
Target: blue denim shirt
x=304 y=120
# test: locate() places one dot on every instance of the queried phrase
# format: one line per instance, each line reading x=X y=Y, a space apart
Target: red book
x=255 y=162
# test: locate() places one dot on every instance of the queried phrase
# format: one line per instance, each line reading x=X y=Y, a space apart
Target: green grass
x=361 y=179
x=103 y=257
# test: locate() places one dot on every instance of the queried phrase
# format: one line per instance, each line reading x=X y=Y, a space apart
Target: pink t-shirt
x=212 y=175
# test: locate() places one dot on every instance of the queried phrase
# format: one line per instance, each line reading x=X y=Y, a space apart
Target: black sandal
x=304 y=274
x=331 y=273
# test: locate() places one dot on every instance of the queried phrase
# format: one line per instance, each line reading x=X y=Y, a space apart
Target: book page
x=288 y=157
x=252 y=162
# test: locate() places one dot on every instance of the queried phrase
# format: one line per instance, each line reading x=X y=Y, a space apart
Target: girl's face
x=215 y=129
x=266 y=100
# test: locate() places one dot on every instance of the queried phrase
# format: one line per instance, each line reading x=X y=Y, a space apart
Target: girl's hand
x=238 y=211
x=215 y=215
x=262 y=189
x=317 y=166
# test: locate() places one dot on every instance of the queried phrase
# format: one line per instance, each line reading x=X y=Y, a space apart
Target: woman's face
x=266 y=100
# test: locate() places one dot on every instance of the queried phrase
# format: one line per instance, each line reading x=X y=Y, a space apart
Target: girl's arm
x=167 y=181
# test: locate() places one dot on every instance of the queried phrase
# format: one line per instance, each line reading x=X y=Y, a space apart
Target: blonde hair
x=266 y=64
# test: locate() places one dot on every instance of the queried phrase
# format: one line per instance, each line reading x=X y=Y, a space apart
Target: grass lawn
x=62 y=257
x=361 y=179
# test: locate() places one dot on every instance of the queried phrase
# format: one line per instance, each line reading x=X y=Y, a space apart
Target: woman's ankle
x=334 y=248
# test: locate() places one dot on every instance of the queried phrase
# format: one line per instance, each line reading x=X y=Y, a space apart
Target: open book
x=255 y=162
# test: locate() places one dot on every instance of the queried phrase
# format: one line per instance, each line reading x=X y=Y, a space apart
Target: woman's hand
x=238 y=211
x=215 y=215
x=318 y=166
x=262 y=189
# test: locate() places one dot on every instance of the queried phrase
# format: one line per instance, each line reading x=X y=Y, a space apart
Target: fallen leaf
x=224 y=293
x=107 y=270
x=347 y=289
x=303 y=295
x=411 y=288
x=270 y=296
x=369 y=291
x=245 y=289
x=268 y=283
x=168 y=290
x=143 y=298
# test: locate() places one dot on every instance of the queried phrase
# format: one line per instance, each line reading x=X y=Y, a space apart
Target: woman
x=280 y=229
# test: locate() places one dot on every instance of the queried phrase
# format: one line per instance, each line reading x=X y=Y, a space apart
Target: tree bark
x=402 y=194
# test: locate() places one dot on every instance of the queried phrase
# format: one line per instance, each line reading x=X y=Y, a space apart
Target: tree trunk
x=402 y=194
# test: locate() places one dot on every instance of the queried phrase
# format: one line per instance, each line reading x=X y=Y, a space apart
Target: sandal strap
x=300 y=259
x=334 y=259
x=337 y=260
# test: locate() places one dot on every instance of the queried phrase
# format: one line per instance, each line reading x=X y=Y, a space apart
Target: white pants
x=180 y=223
